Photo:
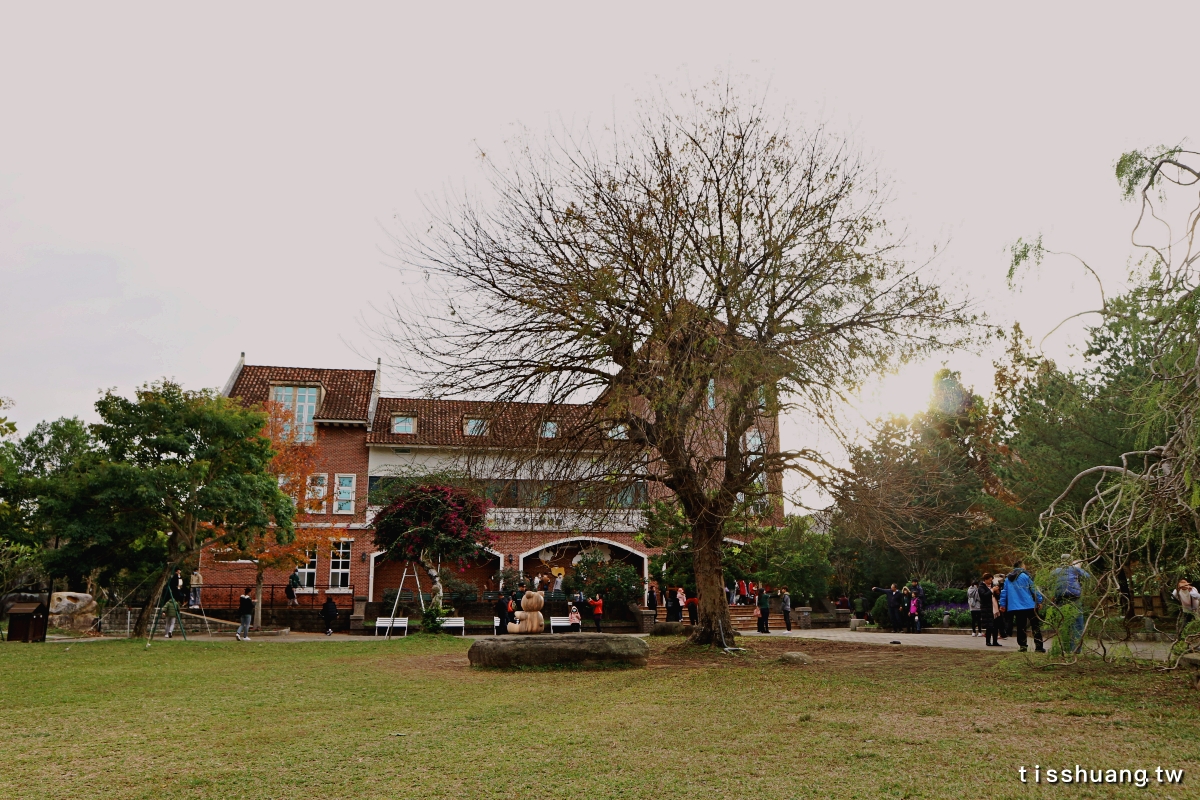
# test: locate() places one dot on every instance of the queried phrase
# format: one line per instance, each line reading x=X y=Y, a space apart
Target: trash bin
x=27 y=622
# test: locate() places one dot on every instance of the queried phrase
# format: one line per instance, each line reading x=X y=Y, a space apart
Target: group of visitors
x=675 y=599
x=547 y=582
x=507 y=605
x=997 y=604
x=904 y=606
x=744 y=593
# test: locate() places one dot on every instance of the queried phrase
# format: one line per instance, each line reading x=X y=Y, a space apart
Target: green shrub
x=431 y=618
x=879 y=611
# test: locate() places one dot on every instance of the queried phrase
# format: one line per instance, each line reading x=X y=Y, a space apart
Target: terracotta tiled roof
x=347 y=392
x=440 y=422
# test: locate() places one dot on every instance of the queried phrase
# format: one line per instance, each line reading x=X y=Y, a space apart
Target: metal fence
x=274 y=595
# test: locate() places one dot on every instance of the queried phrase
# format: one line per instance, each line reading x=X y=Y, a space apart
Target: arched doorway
x=562 y=554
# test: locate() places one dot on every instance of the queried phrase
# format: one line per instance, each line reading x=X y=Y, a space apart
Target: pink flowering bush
x=428 y=523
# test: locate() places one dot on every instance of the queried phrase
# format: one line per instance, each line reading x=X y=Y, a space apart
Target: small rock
x=796 y=657
x=1190 y=660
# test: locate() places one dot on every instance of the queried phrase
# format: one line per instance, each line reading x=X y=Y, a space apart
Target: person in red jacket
x=597 y=604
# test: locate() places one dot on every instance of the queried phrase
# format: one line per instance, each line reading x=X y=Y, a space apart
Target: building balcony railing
x=566 y=519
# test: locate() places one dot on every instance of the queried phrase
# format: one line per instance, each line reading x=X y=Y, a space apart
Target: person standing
x=329 y=613
x=987 y=610
x=500 y=610
x=1023 y=599
x=1189 y=604
x=558 y=579
x=893 y=605
x=1003 y=618
x=914 y=612
x=1068 y=593
x=974 y=607
x=197 y=585
x=918 y=594
x=693 y=610
x=652 y=600
x=597 y=604
x=174 y=594
x=764 y=611
x=741 y=585
x=671 y=601
x=292 y=585
x=785 y=606
x=246 y=613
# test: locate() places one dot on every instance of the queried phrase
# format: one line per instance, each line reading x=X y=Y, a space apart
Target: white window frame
x=619 y=431
x=711 y=393
x=549 y=429
x=481 y=429
x=412 y=423
x=755 y=442
x=308 y=573
x=302 y=414
x=340 y=552
x=339 y=502
x=318 y=489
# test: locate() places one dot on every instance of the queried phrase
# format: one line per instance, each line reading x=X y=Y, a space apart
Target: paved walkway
x=1156 y=651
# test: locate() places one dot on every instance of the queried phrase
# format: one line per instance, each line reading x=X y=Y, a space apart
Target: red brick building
x=365 y=438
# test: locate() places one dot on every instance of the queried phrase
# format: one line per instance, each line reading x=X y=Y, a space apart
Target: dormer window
x=549 y=430
x=475 y=426
x=301 y=401
x=404 y=424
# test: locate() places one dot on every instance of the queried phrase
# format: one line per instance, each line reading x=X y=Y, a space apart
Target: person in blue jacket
x=1023 y=599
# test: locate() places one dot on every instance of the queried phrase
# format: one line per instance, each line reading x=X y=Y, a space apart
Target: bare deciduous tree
x=691 y=281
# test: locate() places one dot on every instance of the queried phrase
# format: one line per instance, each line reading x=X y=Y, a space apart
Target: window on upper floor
x=302 y=402
x=549 y=430
x=711 y=393
x=620 y=431
x=343 y=494
x=475 y=426
x=754 y=442
x=404 y=424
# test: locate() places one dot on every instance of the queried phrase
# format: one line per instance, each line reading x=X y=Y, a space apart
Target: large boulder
x=564 y=648
x=72 y=610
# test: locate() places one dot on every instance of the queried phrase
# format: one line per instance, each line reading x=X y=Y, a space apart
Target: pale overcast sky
x=182 y=183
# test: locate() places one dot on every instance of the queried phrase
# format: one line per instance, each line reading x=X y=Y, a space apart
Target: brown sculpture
x=529 y=618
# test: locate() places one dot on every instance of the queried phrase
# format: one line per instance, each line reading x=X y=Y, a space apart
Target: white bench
x=395 y=623
x=560 y=622
x=456 y=622
x=496 y=626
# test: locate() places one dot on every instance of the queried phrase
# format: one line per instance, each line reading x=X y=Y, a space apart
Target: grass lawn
x=320 y=720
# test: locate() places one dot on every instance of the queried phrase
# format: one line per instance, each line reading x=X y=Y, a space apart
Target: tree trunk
x=714 y=626
x=435 y=593
x=143 y=621
x=258 y=583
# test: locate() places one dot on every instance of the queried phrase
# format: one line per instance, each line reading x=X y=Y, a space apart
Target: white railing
x=564 y=519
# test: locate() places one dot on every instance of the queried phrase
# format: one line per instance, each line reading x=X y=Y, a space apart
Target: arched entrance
x=564 y=553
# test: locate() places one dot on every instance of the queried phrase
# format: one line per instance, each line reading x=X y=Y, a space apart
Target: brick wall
x=343 y=451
